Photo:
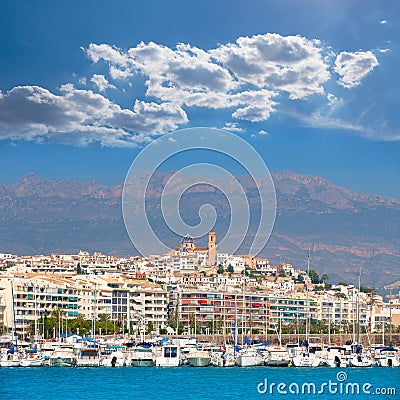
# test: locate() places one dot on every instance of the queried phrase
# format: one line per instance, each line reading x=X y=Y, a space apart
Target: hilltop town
x=189 y=290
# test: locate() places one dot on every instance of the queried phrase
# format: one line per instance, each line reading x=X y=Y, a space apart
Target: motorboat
x=337 y=356
x=198 y=358
x=385 y=356
x=141 y=356
x=88 y=356
x=63 y=356
x=168 y=356
x=276 y=356
x=113 y=356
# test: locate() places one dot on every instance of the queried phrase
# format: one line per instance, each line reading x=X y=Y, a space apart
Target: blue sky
x=312 y=85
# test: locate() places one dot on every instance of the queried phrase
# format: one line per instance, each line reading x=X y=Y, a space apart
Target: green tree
x=324 y=278
x=79 y=269
x=315 y=279
x=220 y=269
x=230 y=269
x=150 y=327
x=366 y=289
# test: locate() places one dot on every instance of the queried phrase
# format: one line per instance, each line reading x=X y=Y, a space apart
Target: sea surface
x=198 y=383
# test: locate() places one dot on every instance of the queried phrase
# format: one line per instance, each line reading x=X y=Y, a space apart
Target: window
x=170 y=352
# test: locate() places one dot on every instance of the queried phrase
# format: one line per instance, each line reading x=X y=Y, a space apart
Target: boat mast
x=358 y=307
x=94 y=313
x=390 y=316
x=235 y=330
x=177 y=315
x=329 y=328
x=244 y=306
x=15 y=321
x=195 y=323
x=308 y=297
x=266 y=318
x=223 y=316
x=36 y=326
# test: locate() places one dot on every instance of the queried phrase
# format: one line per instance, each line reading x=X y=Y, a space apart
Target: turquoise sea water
x=197 y=383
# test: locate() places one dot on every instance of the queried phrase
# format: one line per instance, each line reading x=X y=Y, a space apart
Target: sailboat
x=360 y=358
x=11 y=357
x=249 y=356
x=32 y=358
x=277 y=356
x=306 y=358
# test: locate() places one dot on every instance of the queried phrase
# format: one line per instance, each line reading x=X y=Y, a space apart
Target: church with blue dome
x=187 y=248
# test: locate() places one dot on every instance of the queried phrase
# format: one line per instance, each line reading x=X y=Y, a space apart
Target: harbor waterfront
x=191 y=383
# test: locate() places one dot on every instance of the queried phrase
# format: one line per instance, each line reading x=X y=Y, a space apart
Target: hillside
x=345 y=229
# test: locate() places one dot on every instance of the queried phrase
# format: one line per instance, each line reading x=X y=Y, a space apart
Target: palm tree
x=57 y=313
x=103 y=321
x=79 y=321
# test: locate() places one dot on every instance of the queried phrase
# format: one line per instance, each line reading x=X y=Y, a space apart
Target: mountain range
x=345 y=230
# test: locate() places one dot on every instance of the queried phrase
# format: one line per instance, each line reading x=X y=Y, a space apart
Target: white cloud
x=219 y=78
x=293 y=64
x=383 y=22
x=353 y=67
x=320 y=120
x=333 y=100
x=262 y=132
x=251 y=78
x=233 y=127
x=81 y=117
x=97 y=52
x=101 y=82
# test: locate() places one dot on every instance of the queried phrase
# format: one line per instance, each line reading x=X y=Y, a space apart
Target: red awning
x=185 y=301
x=203 y=301
x=256 y=304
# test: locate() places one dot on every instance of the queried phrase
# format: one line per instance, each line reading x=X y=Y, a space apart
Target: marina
x=184 y=382
x=186 y=351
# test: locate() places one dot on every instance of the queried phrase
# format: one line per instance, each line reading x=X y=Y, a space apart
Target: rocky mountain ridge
x=345 y=229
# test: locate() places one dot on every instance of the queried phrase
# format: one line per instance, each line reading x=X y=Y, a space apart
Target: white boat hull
x=218 y=361
x=142 y=358
x=169 y=357
x=387 y=362
x=32 y=362
x=115 y=359
x=249 y=360
x=62 y=362
x=9 y=363
x=199 y=361
x=360 y=361
x=277 y=357
x=306 y=361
